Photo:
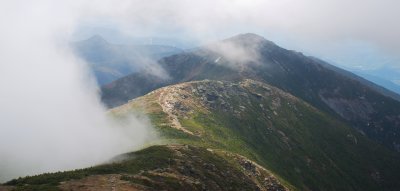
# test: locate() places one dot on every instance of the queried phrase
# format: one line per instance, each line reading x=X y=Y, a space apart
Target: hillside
x=245 y=135
x=365 y=107
x=304 y=146
x=172 y=167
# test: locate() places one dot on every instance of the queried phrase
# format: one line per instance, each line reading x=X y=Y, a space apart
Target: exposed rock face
x=182 y=100
x=350 y=109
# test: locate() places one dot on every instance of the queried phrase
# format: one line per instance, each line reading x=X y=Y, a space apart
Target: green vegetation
x=162 y=168
x=300 y=144
x=147 y=159
x=304 y=148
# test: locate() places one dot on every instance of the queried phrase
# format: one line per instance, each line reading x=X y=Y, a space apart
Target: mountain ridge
x=277 y=130
x=162 y=167
x=332 y=90
x=224 y=135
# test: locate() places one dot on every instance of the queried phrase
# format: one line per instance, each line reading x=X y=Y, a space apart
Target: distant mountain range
x=386 y=77
x=112 y=61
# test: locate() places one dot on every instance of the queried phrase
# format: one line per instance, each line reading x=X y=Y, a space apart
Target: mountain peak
x=97 y=39
x=250 y=36
x=247 y=39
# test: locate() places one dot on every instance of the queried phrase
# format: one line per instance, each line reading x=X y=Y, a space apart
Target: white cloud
x=239 y=51
x=51 y=116
x=307 y=25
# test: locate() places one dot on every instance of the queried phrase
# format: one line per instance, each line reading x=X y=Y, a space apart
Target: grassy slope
x=305 y=147
x=153 y=157
x=174 y=167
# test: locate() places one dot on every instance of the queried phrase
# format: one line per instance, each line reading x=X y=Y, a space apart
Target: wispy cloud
x=302 y=24
x=51 y=116
x=239 y=51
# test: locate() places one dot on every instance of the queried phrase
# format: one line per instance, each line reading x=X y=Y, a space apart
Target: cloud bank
x=315 y=27
x=51 y=116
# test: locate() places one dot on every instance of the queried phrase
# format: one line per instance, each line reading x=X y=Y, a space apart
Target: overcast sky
x=51 y=116
x=355 y=32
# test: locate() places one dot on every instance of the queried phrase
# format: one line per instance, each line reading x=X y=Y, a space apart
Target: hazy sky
x=339 y=30
x=51 y=117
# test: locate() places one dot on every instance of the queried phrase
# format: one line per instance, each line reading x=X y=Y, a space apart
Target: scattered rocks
x=351 y=138
x=376 y=176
